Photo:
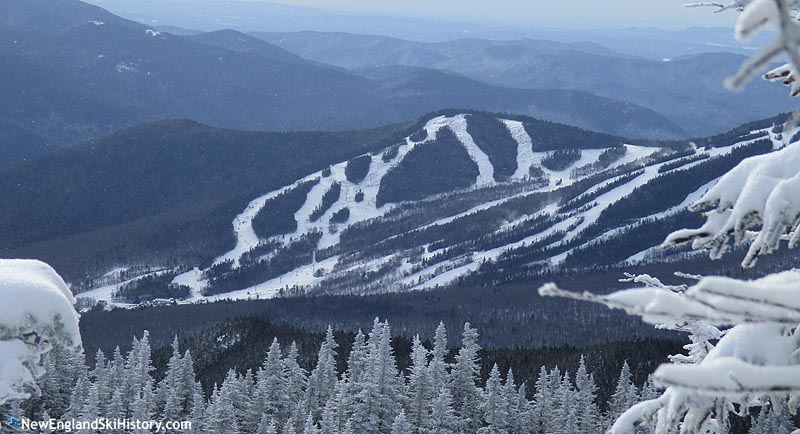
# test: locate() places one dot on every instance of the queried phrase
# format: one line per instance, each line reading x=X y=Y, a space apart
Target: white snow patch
x=525 y=155
x=485 y=169
x=194 y=280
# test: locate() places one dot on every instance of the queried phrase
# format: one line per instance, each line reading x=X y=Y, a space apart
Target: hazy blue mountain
x=267 y=16
x=660 y=43
x=91 y=73
x=573 y=107
x=53 y=15
x=354 y=51
x=242 y=43
x=688 y=90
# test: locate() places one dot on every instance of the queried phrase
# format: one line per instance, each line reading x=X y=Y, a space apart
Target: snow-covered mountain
x=468 y=198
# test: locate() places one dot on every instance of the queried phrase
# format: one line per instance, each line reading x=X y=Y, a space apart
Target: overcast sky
x=551 y=13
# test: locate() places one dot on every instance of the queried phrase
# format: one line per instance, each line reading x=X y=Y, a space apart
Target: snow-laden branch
x=761 y=191
x=756 y=15
x=36 y=311
x=758 y=356
x=720 y=301
x=720 y=7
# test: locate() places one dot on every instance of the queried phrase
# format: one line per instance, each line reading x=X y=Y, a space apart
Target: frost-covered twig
x=720 y=7
x=757 y=15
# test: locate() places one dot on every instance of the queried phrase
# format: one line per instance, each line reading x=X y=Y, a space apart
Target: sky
x=544 y=14
x=567 y=14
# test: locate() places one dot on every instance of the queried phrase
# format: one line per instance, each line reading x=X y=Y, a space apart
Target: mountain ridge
x=520 y=191
x=120 y=73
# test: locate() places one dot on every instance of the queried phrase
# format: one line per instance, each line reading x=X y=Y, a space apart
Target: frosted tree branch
x=720 y=7
x=759 y=355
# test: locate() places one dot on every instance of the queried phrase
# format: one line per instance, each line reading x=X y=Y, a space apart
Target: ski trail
x=485 y=169
x=525 y=154
x=246 y=237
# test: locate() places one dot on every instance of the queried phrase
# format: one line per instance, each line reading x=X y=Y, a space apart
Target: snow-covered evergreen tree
x=380 y=403
x=438 y=366
x=90 y=410
x=322 y=382
x=772 y=421
x=296 y=383
x=542 y=402
x=170 y=390
x=464 y=378
x=494 y=405
x=310 y=427
x=420 y=387
x=401 y=425
x=269 y=394
x=585 y=401
x=266 y=425
x=380 y=398
x=443 y=418
x=625 y=395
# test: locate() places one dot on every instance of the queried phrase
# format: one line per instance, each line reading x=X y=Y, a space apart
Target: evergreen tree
x=348 y=428
x=266 y=425
x=523 y=421
x=322 y=382
x=221 y=417
x=585 y=400
x=494 y=405
x=625 y=394
x=401 y=425
x=197 y=414
x=310 y=427
x=328 y=423
x=357 y=360
x=91 y=406
x=170 y=390
x=566 y=414
x=77 y=399
x=296 y=383
x=542 y=402
x=443 y=418
x=100 y=377
x=140 y=410
x=379 y=400
x=438 y=367
x=118 y=407
x=464 y=378
x=289 y=427
x=188 y=380
x=269 y=395
x=772 y=421
x=420 y=387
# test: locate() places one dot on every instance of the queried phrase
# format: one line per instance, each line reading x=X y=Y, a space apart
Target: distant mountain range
x=76 y=72
x=455 y=197
x=688 y=90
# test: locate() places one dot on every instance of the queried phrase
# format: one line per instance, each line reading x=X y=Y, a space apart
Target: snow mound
x=34 y=298
x=36 y=311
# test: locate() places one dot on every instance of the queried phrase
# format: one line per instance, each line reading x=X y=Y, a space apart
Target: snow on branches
x=761 y=191
x=757 y=15
x=36 y=311
x=759 y=356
